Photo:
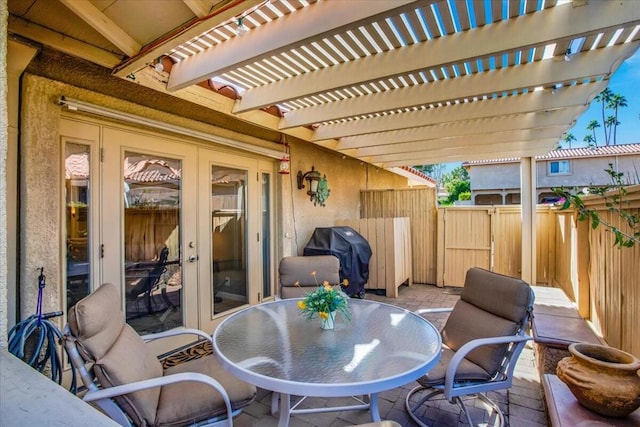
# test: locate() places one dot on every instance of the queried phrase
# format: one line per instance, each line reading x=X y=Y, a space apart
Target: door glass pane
x=228 y=242
x=266 y=235
x=152 y=211
x=77 y=184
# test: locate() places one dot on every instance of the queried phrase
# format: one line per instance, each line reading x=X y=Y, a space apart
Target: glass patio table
x=274 y=347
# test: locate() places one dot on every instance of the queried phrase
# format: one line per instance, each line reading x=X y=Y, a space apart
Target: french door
x=148 y=235
x=182 y=229
x=234 y=246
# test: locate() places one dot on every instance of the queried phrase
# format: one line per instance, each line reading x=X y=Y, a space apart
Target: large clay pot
x=603 y=379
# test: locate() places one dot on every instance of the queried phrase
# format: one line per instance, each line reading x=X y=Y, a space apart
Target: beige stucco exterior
x=41 y=181
x=4 y=136
x=499 y=183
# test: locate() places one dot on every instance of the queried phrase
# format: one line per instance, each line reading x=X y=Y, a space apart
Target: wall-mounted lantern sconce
x=313 y=178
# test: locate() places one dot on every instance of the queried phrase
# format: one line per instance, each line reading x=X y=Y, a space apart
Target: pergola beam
x=104 y=25
x=561 y=23
x=217 y=16
x=62 y=43
x=319 y=20
x=468 y=128
x=479 y=153
x=455 y=142
x=574 y=96
x=542 y=73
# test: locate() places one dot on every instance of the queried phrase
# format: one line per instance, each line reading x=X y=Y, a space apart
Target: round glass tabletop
x=275 y=347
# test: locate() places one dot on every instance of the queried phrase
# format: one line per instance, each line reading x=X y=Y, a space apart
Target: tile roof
x=571 y=153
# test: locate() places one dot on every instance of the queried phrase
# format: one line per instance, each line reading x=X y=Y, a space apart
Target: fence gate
x=465 y=234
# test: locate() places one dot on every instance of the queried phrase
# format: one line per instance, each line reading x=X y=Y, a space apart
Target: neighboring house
x=497 y=182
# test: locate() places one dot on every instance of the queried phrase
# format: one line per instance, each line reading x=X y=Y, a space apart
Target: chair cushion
x=467 y=371
x=299 y=268
x=94 y=323
x=120 y=356
x=490 y=305
x=204 y=401
x=504 y=296
x=130 y=360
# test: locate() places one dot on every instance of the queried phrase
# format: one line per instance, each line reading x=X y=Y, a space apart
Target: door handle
x=193 y=258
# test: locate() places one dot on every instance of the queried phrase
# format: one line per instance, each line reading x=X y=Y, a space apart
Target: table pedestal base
x=286 y=410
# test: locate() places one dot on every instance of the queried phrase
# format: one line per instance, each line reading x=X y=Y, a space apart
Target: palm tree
x=589 y=140
x=616 y=101
x=610 y=124
x=592 y=126
x=604 y=97
x=568 y=139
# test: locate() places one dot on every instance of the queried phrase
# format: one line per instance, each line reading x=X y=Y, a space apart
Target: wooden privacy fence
x=390 y=241
x=490 y=237
x=419 y=205
x=614 y=277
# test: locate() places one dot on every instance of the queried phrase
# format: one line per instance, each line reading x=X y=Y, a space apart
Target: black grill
x=350 y=248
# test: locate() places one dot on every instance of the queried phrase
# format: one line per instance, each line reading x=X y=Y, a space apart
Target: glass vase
x=329 y=322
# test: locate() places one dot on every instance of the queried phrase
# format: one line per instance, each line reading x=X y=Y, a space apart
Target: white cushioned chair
x=294 y=269
x=481 y=342
x=122 y=367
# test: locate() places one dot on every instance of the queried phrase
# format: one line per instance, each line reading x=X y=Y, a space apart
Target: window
x=77 y=224
x=559 y=167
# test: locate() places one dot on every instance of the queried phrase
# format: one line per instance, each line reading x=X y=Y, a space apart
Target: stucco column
x=15 y=58
x=4 y=128
x=528 y=181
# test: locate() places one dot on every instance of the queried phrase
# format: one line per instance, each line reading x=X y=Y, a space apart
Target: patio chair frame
x=454 y=390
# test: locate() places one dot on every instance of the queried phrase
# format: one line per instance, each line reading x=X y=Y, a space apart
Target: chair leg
x=490 y=404
x=412 y=408
x=275 y=402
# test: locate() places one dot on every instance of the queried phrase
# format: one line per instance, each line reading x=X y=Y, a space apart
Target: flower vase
x=329 y=322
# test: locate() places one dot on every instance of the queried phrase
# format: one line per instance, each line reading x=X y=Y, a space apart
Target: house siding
x=494 y=183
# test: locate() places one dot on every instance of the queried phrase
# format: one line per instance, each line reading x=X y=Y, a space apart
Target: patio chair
x=145 y=278
x=294 y=269
x=481 y=342
x=127 y=381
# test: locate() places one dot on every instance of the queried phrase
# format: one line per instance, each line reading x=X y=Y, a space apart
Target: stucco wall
x=4 y=136
x=584 y=171
x=41 y=197
x=345 y=177
x=495 y=176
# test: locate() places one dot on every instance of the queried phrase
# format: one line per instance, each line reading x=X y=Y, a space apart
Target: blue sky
x=624 y=81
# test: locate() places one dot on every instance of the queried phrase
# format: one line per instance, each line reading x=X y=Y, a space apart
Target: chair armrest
x=179 y=331
x=108 y=393
x=433 y=310
x=472 y=345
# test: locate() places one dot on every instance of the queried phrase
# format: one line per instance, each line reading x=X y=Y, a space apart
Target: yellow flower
x=325 y=299
x=345 y=282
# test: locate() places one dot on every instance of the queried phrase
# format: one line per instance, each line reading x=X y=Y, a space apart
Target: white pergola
x=390 y=82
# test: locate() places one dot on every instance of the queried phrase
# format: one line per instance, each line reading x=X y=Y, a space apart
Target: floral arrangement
x=325 y=299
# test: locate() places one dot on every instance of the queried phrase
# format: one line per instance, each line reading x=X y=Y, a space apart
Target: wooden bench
x=556 y=324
